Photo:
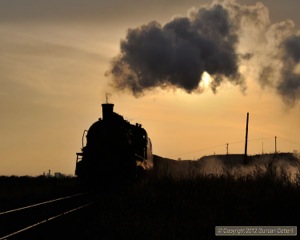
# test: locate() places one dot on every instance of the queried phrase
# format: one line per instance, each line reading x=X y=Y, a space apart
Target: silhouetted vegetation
x=170 y=208
x=20 y=191
x=166 y=208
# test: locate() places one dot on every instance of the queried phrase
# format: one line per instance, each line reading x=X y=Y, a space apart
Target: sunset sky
x=55 y=56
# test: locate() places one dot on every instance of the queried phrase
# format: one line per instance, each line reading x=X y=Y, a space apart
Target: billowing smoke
x=178 y=53
x=281 y=67
x=284 y=167
x=289 y=87
x=226 y=39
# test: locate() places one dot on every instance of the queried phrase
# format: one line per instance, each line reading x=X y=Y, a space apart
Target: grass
x=166 y=208
x=169 y=208
x=21 y=191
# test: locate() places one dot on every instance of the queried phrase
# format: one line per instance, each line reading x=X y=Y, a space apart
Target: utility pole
x=227 y=148
x=275 y=144
x=246 y=139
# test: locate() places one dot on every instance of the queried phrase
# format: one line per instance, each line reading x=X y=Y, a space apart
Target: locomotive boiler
x=115 y=150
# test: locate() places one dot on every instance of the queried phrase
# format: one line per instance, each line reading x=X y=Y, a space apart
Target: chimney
x=107 y=111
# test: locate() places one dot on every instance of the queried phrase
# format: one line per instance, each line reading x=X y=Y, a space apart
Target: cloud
x=95 y=12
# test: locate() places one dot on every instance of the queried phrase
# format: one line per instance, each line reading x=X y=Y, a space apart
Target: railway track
x=16 y=222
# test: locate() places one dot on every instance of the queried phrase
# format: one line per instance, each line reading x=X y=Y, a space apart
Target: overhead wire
x=235 y=142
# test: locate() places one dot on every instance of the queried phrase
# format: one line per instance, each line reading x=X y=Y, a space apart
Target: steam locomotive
x=115 y=150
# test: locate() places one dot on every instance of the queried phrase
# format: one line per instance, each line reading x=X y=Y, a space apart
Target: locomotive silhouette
x=115 y=150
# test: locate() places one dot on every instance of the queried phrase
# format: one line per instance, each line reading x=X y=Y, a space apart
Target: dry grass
x=21 y=191
x=167 y=208
x=185 y=208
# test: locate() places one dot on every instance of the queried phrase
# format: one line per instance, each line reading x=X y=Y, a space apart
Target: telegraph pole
x=275 y=144
x=227 y=148
x=246 y=139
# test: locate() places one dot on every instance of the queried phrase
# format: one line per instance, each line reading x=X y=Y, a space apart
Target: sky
x=59 y=59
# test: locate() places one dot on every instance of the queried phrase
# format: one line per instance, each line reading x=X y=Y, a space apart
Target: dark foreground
x=164 y=208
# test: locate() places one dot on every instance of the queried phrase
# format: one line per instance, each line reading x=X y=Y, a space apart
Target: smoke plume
x=282 y=167
x=225 y=39
x=289 y=86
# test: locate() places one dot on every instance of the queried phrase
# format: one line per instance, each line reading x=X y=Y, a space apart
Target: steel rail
x=38 y=204
x=45 y=220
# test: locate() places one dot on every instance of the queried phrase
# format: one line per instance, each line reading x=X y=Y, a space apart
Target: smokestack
x=107 y=111
x=246 y=139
